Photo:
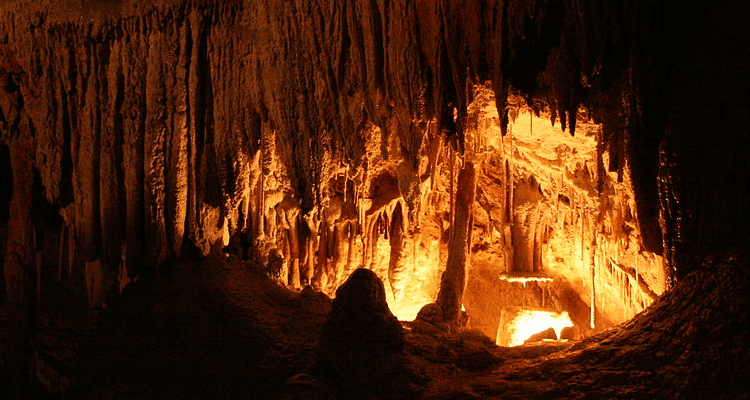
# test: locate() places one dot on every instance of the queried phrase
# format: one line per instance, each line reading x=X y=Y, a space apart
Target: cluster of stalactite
x=316 y=137
x=548 y=206
x=162 y=107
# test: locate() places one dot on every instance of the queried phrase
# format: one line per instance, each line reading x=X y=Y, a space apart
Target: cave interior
x=374 y=199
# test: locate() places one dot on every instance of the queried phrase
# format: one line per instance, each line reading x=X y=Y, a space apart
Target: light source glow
x=524 y=279
x=529 y=322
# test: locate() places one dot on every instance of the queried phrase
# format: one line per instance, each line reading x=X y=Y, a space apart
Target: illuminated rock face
x=192 y=129
x=548 y=209
x=319 y=137
x=526 y=323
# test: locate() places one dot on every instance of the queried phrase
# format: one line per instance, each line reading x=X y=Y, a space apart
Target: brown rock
x=540 y=336
x=360 y=325
x=571 y=333
x=307 y=387
x=360 y=336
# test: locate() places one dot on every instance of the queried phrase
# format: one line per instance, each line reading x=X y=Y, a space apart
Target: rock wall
x=319 y=137
x=156 y=129
x=549 y=208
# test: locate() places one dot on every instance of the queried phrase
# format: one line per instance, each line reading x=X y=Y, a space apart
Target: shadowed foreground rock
x=362 y=343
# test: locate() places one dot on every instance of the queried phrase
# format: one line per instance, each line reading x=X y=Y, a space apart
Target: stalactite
x=338 y=260
x=573 y=119
x=470 y=231
x=591 y=267
x=435 y=145
x=536 y=248
x=507 y=203
x=286 y=249
x=262 y=188
x=345 y=234
x=385 y=226
x=351 y=235
x=600 y=171
x=531 y=124
x=582 y=218
x=373 y=239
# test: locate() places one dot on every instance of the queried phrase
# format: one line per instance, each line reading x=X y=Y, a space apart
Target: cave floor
x=212 y=330
x=223 y=330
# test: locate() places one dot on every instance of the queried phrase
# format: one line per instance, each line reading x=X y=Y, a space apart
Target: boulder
x=571 y=333
x=362 y=344
x=360 y=326
x=540 y=336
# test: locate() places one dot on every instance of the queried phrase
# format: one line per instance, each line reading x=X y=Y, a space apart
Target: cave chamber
x=568 y=175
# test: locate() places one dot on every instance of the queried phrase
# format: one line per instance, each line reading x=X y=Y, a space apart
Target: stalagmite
x=453 y=280
x=294 y=245
x=397 y=262
x=592 y=264
x=451 y=186
x=320 y=277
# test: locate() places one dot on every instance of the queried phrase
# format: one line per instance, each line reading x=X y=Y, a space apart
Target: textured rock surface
x=453 y=281
x=692 y=343
x=183 y=124
x=201 y=330
x=330 y=134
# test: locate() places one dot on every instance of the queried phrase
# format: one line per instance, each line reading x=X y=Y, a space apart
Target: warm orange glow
x=525 y=279
x=407 y=311
x=529 y=322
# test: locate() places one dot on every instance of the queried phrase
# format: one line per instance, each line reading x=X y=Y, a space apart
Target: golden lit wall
x=546 y=207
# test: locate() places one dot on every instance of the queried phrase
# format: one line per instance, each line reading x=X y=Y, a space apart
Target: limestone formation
x=321 y=137
x=453 y=281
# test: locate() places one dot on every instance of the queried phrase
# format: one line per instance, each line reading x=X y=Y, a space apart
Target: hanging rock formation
x=319 y=137
x=135 y=144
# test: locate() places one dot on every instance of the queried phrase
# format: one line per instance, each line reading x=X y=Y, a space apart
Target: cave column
x=453 y=281
x=397 y=262
x=320 y=278
x=294 y=247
